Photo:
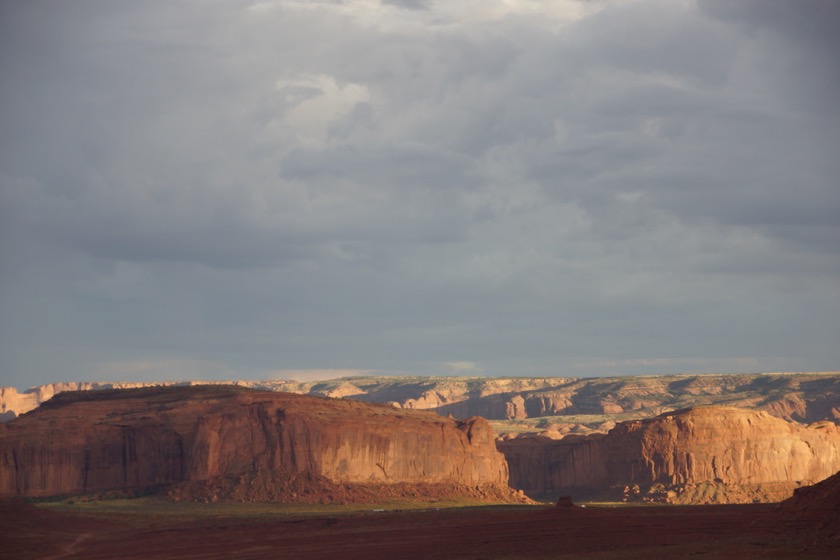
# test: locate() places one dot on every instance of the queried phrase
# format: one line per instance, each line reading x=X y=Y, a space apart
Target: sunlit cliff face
x=140 y=438
x=713 y=454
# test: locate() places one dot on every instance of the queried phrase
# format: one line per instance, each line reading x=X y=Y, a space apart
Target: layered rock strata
x=713 y=454
x=134 y=439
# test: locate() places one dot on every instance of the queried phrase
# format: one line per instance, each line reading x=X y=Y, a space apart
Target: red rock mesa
x=713 y=454
x=246 y=444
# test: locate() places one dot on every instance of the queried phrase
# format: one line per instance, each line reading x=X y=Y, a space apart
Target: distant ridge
x=800 y=397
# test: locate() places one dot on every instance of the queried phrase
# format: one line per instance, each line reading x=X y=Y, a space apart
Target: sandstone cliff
x=714 y=454
x=82 y=442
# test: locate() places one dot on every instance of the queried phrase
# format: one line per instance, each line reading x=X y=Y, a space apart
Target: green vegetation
x=157 y=507
x=614 y=505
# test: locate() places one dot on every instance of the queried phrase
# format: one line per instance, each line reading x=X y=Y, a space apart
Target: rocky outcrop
x=95 y=441
x=714 y=454
x=819 y=504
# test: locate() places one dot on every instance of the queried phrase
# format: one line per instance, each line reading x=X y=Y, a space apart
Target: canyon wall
x=714 y=454
x=82 y=442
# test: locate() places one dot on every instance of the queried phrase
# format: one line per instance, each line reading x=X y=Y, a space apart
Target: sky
x=305 y=189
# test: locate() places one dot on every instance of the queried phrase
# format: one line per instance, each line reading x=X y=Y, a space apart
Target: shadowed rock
x=564 y=502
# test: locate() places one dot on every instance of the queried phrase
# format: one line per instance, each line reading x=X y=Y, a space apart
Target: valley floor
x=471 y=533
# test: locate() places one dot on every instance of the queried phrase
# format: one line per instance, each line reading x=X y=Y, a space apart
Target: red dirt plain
x=760 y=531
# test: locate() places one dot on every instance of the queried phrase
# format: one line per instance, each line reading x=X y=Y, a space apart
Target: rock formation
x=83 y=442
x=714 y=454
x=14 y=403
x=818 y=504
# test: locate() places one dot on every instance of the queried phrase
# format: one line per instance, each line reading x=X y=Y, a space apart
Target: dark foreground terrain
x=533 y=532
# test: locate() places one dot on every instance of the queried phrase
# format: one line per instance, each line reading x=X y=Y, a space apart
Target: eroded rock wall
x=543 y=467
x=97 y=441
x=729 y=454
x=722 y=444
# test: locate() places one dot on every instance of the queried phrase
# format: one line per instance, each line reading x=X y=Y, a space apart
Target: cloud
x=161 y=370
x=314 y=374
x=462 y=367
x=409 y=4
x=383 y=186
x=738 y=364
x=316 y=103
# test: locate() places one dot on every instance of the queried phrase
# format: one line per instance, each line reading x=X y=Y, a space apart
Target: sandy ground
x=533 y=533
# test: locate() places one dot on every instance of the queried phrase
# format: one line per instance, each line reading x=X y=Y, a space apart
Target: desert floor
x=155 y=530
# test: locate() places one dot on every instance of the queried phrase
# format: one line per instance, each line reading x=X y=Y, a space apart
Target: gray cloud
x=409 y=4
x=574 y=188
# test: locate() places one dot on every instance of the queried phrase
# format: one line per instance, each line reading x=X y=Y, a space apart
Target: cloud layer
x=519 y=188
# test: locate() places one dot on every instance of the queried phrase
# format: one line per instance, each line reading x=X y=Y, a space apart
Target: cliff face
x=713 y=454
x=134 y=439
x=544 y=467
x=724 y=444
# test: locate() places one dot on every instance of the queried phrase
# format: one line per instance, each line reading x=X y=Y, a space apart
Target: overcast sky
x=304 y=188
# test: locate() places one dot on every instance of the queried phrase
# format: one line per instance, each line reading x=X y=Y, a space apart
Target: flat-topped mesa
x=83 y=442
x=723 y=445
x=711 y=454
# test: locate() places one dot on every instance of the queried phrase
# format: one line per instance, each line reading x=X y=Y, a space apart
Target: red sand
x=744 y=531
